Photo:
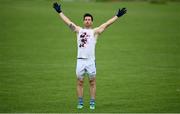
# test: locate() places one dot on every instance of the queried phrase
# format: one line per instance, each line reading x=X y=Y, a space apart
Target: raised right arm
x=66 y=20
x=105 y=25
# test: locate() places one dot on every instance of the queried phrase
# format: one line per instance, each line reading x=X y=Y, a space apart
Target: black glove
x=121 y=12
x=57 y=7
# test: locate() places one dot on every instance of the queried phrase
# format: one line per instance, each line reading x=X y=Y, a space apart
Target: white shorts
x=85 y=66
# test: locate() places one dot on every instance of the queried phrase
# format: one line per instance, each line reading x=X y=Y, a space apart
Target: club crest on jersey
x=83 y=39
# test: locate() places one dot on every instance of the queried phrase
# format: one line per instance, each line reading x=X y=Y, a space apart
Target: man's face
x=88 y=21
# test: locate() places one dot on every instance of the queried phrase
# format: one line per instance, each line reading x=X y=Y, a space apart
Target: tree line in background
x=151 y=1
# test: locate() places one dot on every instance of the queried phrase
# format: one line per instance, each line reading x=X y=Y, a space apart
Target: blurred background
x=138 y=65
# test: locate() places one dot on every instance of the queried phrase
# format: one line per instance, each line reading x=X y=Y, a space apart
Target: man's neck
x=87 y=27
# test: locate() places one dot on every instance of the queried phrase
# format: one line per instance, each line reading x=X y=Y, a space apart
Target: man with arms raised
x=86 y=41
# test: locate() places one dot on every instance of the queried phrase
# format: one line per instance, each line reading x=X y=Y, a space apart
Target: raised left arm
x=105 y=25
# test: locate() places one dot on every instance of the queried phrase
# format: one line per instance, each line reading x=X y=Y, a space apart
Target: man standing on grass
x=86 y=41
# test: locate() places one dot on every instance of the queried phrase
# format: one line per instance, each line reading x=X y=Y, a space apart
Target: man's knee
x=92 y=82
x=80 y=82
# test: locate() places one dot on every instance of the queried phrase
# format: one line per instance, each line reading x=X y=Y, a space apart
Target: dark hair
x=88 y=15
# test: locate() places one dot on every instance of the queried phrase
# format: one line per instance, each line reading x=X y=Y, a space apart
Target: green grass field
x=138 y=57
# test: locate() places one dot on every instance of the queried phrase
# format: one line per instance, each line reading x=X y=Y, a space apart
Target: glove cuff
x=118 y=15
x=59 y=11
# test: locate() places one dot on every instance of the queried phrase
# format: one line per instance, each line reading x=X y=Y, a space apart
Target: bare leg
x=92 y=83
x=80 y=88
x=80 y=93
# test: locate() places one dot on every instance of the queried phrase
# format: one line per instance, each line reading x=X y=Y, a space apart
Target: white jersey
x=86 y=41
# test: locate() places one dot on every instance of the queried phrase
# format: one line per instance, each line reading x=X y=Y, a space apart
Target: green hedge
x=151 y=1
